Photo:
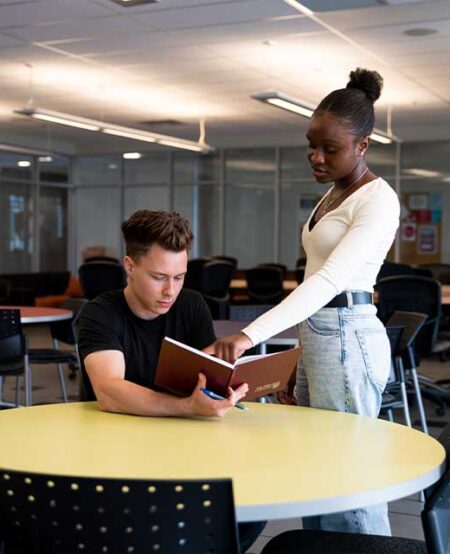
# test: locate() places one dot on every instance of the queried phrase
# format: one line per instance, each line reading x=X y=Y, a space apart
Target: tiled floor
x=404 y=514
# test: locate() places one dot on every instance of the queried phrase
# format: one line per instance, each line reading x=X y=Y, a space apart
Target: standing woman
x=346 y=355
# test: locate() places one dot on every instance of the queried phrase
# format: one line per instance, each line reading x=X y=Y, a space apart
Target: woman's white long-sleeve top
x=344 y=249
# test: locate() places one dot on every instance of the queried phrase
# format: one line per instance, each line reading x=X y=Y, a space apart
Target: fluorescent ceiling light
x=423 y=172
x=115 y=130
x=285 y=102
x=23 y=163
x=127 y=134
x=305 y=109
x=178 y=144
x=61 y=118
x=131 y=156
x=45 y=159
x=299 y=7
x=381 y=138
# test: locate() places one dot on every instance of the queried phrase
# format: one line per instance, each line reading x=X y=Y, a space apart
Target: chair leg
x=405 y=404
x=28 y=400
x=390 y=415
x=18 y=391
x=62 y=382
x=415 y=380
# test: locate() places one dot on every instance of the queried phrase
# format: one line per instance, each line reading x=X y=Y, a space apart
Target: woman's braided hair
x=353 y=105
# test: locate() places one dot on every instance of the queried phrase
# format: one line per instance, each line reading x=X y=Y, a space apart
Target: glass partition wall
x=249 y=203
x=33 y=212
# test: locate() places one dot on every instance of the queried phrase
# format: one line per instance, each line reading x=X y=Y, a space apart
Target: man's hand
x=199 y=404
x=229 y=348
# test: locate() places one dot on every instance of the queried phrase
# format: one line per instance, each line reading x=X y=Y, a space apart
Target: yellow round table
x=285 y=461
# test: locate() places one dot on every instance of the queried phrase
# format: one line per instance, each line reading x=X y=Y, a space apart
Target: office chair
x=281 y=267
x=412 y=324
x=192 y=279
x=391 y=269
x=413 y=293
x=99 y=277
x=230 y=259
x=435 y=522
x=64 y=331
x=214 y=282
x=109 y=259
x=394 y=395
x=265 y=285
x=45 y=514
x=13 y=354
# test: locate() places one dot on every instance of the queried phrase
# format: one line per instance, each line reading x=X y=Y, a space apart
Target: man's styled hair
x=168 y=229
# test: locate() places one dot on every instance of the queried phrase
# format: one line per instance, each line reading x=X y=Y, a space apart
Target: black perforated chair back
x=46 y=514
x=11 y=338
x=265 y=285
x=99 y=277
x=413 y=294
x=12 y=343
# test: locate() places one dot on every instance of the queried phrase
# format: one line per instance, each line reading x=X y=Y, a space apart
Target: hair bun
x=369 y=82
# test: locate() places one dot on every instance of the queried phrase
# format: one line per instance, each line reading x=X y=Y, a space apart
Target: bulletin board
x=421 y=228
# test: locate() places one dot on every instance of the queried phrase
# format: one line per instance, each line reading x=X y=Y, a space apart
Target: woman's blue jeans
x=345 y=365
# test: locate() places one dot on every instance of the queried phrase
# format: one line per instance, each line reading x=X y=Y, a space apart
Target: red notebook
x=179 y=366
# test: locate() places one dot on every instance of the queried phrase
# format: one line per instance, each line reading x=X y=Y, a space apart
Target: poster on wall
x=409 y=231
x=418 y=201
x=427 y=241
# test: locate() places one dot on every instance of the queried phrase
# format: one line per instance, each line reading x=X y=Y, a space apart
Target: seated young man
x=121 y=331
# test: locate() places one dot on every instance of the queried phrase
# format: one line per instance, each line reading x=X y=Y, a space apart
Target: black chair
x=64 y=331
x=281 y=267
x=53 y=514
x=13 y=360
x=412 y=323
x=391 y=269
x=192 y=279
x=300 y=262
x=394 y=395
x=435 y=522
x=215 y=279
x=99 y=277
x=264 y=285
x=300 y=274
x=230 y=259
x=412 y=293
x=5 y=291
x=108 y=259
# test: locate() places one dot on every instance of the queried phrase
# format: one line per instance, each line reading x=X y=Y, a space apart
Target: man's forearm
x=125 y=397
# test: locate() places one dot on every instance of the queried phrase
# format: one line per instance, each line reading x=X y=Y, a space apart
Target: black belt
x=358 y=296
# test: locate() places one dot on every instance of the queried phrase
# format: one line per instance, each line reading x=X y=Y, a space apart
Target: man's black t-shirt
x=107 y=323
